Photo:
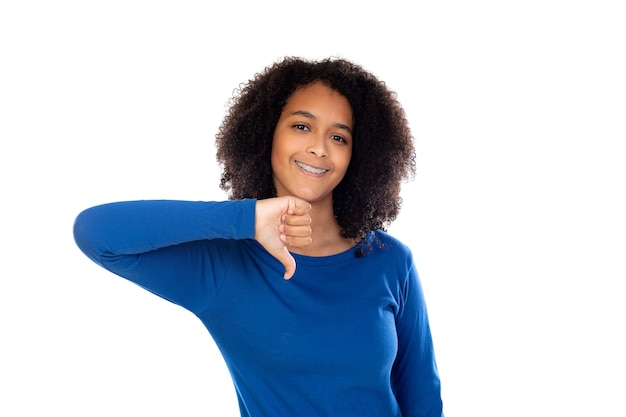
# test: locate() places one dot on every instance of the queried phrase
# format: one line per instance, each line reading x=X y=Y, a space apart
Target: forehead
x=318 y=95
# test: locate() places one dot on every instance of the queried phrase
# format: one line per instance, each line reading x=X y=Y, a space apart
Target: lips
x=310 y=169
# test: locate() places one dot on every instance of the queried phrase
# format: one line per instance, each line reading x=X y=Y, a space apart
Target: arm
x=135 y=227
x=415 y=378
x=162 y=245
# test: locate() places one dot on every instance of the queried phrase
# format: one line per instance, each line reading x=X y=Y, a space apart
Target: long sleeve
x=415 y=376
x=165 y=245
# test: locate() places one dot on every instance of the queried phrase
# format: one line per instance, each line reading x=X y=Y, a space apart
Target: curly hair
x=383 y=155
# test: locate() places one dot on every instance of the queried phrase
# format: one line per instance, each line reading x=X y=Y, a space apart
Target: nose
x=317 y=147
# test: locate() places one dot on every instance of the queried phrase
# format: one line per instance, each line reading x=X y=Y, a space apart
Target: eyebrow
x=309 y=115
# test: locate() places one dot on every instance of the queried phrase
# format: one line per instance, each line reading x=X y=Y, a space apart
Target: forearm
x=134 y=227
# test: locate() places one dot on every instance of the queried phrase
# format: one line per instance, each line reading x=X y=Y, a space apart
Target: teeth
x=311 y=169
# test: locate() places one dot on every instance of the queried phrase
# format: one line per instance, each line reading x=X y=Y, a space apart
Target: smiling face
x=312 y=143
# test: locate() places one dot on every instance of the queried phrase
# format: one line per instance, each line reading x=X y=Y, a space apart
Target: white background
x=516 y=216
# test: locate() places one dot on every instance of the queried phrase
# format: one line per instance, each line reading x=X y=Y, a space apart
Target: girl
x=316 y=310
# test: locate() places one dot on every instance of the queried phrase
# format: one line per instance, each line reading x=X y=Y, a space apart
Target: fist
x=282 y=222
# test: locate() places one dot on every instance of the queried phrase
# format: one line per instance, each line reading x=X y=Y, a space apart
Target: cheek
x=276 y=166
x=275 y=154
x=280 y=158
x=347 y=158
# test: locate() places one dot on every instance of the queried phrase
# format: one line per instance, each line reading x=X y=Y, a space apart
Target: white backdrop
x=516 y=216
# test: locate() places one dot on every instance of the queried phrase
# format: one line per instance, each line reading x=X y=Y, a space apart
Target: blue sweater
x=346 y=336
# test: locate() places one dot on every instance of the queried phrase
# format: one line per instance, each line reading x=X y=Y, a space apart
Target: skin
x=311 y=151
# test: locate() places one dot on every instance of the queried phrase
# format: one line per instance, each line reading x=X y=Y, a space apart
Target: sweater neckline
x=340 y=257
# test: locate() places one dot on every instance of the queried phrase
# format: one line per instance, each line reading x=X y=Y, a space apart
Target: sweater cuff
x=246 y=220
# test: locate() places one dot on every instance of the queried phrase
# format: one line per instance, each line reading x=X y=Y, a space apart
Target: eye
x=338 y=138
x=300 y=127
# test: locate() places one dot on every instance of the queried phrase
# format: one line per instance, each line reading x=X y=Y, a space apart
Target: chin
x=314 y=197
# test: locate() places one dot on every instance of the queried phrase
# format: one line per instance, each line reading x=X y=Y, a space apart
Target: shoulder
x=383 y=242
x=390 y=252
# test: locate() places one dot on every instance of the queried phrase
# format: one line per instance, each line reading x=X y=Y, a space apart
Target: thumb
x=285 y=258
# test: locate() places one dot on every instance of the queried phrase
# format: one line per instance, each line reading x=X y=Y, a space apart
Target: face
x=312 y=143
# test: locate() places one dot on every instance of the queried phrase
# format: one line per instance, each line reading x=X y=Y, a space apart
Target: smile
x=311 y=169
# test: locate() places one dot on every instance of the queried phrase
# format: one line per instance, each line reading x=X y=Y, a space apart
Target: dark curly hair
x=383 y=155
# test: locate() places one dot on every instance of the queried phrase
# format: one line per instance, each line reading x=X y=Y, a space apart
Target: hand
x=281 y=222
